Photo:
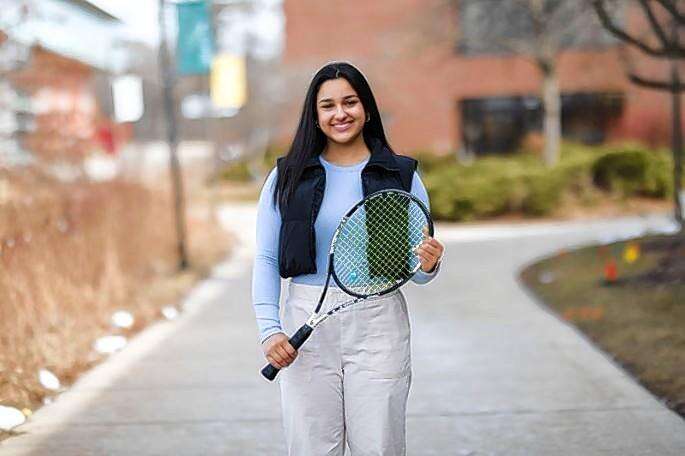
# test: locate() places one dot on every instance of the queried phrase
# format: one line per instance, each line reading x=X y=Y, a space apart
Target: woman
x=350 y=380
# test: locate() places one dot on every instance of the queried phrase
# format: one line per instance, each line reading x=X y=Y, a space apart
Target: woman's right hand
x=278 y=350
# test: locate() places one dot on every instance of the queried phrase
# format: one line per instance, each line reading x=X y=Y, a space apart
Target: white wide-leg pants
x=351 y=378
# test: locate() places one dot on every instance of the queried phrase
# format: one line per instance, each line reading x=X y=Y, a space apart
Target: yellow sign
x=631 y=253
x=228 y=81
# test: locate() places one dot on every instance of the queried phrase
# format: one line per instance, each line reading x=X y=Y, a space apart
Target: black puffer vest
x=297 y=242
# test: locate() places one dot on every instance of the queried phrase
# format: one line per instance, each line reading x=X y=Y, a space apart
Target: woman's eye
x=348 y=103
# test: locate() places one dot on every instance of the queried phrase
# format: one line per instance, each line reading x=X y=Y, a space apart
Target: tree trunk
x=677 y=144
x=677 y=133
x=551 y=99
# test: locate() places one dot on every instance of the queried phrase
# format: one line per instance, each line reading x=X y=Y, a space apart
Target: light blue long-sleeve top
x=343 y=190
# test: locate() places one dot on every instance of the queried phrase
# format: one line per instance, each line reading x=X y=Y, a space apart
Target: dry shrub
x=70 y=255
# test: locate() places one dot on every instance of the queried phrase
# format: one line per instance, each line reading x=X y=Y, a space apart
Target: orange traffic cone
x=610 y=272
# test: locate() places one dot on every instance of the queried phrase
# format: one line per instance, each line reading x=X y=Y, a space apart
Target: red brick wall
x=418 y=81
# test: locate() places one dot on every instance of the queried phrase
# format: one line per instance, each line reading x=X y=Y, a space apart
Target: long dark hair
x=310 y=141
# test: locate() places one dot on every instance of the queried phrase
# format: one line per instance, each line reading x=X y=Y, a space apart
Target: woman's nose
x=340 y=112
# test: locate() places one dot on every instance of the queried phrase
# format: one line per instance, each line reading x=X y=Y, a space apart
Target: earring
x=368 y=117
x=317 y=124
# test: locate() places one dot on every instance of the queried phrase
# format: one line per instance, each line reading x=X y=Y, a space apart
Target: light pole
x=167 y=74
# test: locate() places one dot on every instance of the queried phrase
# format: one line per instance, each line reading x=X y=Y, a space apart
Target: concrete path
x=494 y=372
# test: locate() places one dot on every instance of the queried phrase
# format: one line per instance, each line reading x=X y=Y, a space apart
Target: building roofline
x=93 y=8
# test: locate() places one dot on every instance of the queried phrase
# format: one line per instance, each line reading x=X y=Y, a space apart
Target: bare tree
x=538 y=30
x=666 y=19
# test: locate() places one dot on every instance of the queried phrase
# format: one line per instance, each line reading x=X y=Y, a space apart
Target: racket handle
x=269 y=372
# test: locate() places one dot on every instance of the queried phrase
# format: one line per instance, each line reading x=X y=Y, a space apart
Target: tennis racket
x=373 y=252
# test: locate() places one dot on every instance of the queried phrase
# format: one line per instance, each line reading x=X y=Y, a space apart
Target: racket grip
x=269 y=372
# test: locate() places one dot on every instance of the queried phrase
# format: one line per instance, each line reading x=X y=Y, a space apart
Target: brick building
x=430 y=93
x=61 y=87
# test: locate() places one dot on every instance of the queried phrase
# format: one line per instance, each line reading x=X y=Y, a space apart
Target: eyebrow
x=344 y=98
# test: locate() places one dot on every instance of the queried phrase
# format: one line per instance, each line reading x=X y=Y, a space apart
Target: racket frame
x=331 y=253
x=315 y=319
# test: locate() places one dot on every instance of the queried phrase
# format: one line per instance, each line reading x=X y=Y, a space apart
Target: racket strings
x=374 y=250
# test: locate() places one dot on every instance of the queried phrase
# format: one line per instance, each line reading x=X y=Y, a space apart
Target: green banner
x=195 y=44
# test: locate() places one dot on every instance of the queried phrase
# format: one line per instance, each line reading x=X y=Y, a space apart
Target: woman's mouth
x=343 y=126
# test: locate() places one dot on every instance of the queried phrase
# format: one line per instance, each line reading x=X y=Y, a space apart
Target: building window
x=586 y=117
x=497 y=125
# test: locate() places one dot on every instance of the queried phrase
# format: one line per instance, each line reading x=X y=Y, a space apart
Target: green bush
x=521 y=183
x=544 y=191
x=633 y=171
x=460 y=196
x=659 y=179
x=623 y=171
x=486 y=188
x=456 y=196
x=430 y=162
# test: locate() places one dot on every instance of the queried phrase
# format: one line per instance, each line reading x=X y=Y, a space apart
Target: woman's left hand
x=429 y=252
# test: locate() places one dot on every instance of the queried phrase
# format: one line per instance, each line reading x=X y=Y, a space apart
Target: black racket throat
x=325 y=287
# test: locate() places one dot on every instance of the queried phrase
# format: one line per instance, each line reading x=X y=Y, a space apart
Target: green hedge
x=521 y=183
x=633 y=172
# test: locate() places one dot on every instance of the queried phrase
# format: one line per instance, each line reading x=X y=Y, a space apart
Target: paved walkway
x=494 y=372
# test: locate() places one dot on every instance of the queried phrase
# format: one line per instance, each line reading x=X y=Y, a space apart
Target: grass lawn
x=639 y=317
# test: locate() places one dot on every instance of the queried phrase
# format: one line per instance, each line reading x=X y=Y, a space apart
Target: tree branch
x=621 y=34
x=656 y=85
x=658 y=31
x=669 y=6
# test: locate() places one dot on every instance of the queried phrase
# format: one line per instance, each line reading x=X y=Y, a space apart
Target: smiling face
x=340 y=113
